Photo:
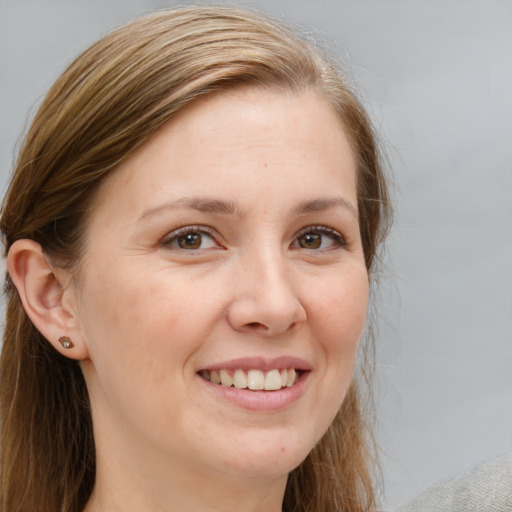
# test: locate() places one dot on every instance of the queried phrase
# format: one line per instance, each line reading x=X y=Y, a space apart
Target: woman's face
x=228 y=248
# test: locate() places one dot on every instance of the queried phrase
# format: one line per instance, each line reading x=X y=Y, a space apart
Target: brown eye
x=189 y=241
x=319 y=238
x=310 y=241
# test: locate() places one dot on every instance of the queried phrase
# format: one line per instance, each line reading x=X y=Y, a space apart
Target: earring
x=66 y=342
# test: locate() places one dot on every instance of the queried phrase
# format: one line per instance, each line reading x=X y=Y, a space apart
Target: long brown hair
x=109 y=101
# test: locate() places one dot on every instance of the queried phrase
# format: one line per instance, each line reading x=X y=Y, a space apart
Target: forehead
x=227 y=140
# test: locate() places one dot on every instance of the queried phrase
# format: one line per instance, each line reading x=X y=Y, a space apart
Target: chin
x=264 y=455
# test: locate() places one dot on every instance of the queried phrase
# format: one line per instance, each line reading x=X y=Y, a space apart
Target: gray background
x=436 y=76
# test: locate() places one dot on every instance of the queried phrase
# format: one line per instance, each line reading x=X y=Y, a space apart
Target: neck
x=213 y=495
x=134 y=485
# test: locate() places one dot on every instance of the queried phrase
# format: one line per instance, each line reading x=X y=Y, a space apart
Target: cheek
x=147 y=319
x=340 y=311
x=337 y=318
x=141 y=333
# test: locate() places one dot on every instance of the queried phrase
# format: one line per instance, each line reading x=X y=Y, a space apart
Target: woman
x=190 y=232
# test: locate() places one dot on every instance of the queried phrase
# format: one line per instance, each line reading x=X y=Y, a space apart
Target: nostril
x=255 y=325
x=261 y=327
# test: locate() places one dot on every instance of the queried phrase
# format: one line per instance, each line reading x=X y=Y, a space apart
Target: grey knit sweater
x=485 y=488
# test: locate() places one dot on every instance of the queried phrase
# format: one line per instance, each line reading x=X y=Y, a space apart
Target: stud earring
x=66 y=342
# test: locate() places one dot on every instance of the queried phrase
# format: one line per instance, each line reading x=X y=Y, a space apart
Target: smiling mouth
x=255 y=380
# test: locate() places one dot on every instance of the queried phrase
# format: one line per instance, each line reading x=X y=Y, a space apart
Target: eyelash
x=172 y=239
x=189 y=230
x=336 y=236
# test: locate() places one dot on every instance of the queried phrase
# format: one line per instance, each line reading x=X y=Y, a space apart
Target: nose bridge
x=267 y=296
x=272 y=276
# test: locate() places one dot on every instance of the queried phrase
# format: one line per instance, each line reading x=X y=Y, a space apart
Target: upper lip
x=261 y=363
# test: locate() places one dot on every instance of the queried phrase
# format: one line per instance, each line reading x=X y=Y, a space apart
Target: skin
x=147 y=315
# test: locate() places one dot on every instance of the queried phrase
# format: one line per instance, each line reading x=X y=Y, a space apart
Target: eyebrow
x=202 y=204
x=322 y=204
x=220 y=207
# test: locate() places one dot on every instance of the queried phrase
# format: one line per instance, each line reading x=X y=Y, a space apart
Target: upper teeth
x=252 y=379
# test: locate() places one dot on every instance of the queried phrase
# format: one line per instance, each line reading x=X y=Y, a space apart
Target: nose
x=266 y=299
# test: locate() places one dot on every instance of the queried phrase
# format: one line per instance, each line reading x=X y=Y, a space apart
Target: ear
x=47 y=296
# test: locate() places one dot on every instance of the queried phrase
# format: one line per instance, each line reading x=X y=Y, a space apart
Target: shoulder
x=484 y=488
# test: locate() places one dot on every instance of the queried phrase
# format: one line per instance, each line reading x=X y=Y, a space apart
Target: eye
x=191 y=238
x=319 y=238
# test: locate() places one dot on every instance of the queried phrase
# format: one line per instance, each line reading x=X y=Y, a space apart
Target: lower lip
x=264 y=401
